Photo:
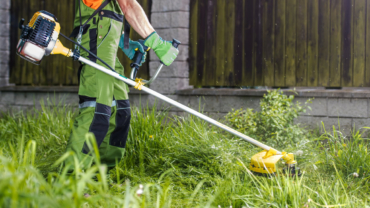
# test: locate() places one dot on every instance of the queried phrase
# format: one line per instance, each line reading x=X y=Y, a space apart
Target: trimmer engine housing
x=39 y=37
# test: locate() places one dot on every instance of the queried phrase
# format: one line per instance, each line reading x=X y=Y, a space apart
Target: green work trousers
x=109 y=123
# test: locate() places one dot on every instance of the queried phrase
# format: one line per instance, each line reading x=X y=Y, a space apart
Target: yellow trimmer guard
x=262 y=164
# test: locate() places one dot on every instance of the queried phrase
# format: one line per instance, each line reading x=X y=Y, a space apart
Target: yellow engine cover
x=260 y=165
x=45 y=16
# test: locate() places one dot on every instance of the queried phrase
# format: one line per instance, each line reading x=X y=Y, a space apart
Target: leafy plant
x=274 y=123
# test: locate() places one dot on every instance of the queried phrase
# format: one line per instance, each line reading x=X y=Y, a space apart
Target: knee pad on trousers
x=118 y=137
x=99 y=125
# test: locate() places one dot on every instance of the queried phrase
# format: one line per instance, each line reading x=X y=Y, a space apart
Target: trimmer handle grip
x=138 y=57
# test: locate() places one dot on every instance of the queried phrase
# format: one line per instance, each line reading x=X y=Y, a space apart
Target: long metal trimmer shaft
x=179 y=105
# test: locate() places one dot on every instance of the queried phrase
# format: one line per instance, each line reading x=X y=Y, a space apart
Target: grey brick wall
x=170 y=18
x=4 y=41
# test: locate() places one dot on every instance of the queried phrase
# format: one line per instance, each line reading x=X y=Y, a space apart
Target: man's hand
x=138 y=20
x=163 y=49
x=130 y=52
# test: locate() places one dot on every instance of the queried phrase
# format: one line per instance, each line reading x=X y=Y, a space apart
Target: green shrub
x=274 y=123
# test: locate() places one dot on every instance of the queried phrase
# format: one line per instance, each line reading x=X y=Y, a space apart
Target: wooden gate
x=54 y=70
x=280 y=43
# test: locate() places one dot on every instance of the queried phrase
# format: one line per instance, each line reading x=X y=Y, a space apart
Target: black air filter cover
x=41 y=34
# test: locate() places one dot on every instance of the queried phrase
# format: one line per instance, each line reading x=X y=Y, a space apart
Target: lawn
x=174 y=161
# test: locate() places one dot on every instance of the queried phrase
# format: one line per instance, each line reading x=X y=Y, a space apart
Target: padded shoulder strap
x=127 y=35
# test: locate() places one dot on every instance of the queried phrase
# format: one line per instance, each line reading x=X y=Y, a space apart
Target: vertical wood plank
x=202 y=21
x=193 y=42
x=258 y=43
x=220 y=42
x=301 y=69
x=347 y=40
x=367 y=51
x=335 y=43
x=229 y=50
x=247 y=47
x=238 y=43
x=291 y=42
x=14 y=38
x=268 y=41
x=209 y=67
x=279 y=61
x=313 y=42
x=324 y=43
x=69 y=68
x=358 y=79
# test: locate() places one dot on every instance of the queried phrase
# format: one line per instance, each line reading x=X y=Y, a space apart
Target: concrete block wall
x=5 y=41
x=343 y=110
x=170 y=18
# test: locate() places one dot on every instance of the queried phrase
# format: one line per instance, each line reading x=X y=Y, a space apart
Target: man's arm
x=138 y=20
x=136 y=16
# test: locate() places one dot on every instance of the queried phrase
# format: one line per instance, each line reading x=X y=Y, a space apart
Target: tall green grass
x=181 y=161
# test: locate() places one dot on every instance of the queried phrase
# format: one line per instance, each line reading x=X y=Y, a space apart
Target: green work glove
x=133 y=45
x=163 y=49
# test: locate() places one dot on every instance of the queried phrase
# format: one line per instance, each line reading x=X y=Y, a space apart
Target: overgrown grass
x=181 y=161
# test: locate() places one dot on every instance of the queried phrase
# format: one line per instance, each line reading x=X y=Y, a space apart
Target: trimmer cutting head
x=267 y=163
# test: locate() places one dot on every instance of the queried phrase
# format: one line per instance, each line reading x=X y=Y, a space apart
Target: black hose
x=88 y=52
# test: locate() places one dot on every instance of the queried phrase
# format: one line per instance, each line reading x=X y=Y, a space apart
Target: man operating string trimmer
x=104 y=108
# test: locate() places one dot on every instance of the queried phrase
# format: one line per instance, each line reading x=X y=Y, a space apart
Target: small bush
x=274 y=123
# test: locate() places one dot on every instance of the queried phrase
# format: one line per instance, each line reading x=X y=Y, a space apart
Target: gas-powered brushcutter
x=40 y=38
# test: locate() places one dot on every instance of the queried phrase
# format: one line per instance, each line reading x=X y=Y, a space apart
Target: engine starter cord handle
x=138 y=57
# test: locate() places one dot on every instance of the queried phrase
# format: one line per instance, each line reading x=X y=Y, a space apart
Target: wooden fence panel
x=55 y=70
x=280 y=43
